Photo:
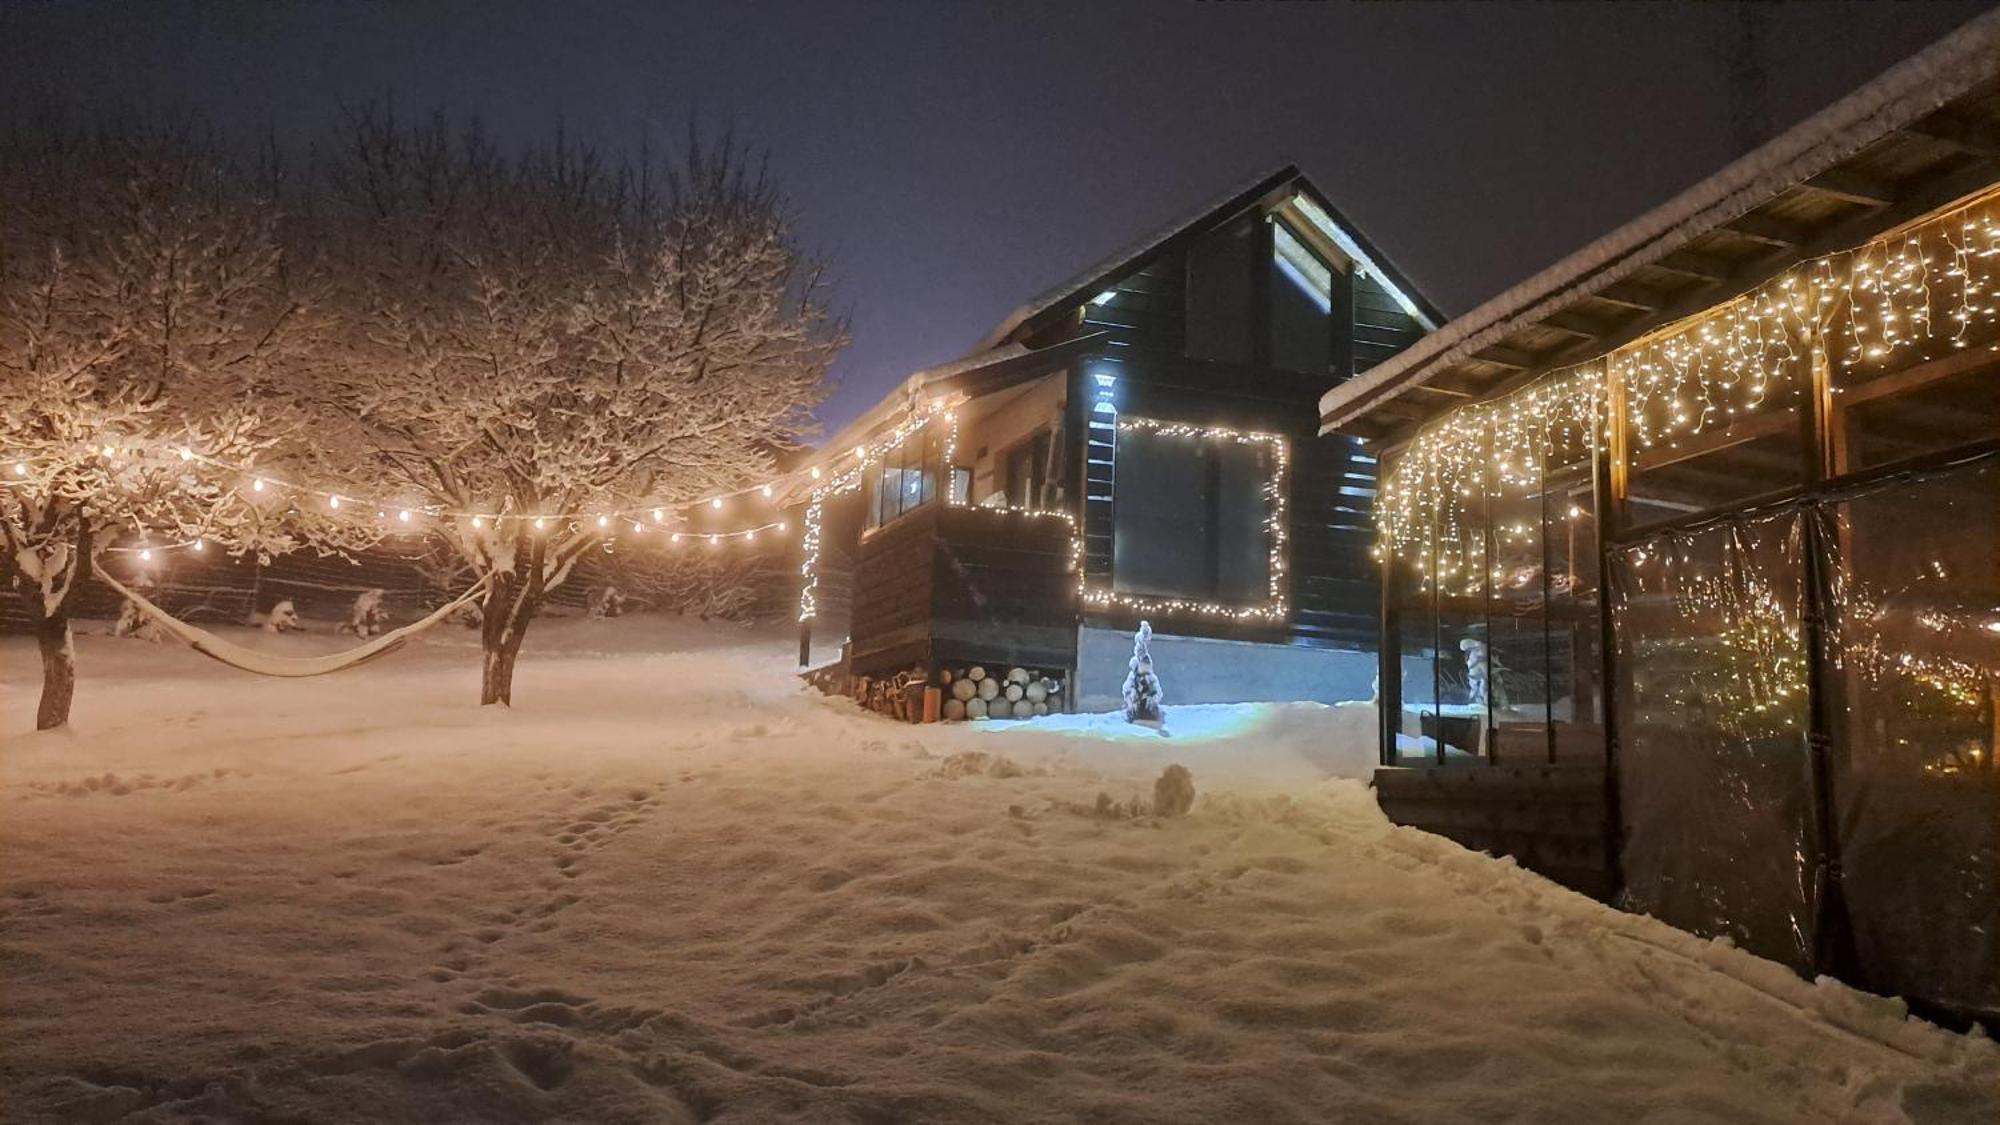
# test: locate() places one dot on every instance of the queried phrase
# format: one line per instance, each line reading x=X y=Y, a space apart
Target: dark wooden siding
x=949 y=585
x=1381 y=327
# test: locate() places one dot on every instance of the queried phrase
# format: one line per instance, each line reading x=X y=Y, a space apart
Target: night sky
x=955 y=158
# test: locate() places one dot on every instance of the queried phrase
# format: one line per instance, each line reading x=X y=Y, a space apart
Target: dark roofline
x=1054 y=304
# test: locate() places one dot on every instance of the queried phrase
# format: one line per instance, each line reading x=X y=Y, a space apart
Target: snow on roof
x=1905 y=92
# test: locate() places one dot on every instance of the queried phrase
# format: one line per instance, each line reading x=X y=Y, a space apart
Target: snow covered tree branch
x=145 y=314
x=535 y=339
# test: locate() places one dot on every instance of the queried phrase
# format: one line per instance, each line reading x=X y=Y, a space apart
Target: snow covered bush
x=368 y=617
x=533 y=343
x=147 y=321
x=1142 y=686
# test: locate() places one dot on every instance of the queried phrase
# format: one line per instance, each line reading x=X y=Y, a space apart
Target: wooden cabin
x=1140 y=442
x=1691 y=550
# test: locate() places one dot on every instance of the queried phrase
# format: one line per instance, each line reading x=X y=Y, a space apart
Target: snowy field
x=673 y=886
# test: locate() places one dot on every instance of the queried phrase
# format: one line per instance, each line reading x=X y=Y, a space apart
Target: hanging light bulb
x=659 y=516
x=478 y=522
x=540 y=523
x=146 y=555
x=767 y=490
x=677 y=537
x=20 y=468
x=110 y=451
x=333 y=502
x=186 y=453
x=716 y=503
x=257 y=485
x=638 y=528
x=781 y=527
x=815 y=472
x=201 y=544
x=750 y=534
x=604 y=521
x=403 y=516
x=714 y=540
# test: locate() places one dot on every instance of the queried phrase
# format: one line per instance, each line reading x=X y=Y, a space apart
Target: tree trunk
x=58 y=666
x=48 y=598
x=505 y=614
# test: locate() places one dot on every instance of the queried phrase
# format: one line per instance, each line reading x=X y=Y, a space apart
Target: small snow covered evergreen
x=1142 y=686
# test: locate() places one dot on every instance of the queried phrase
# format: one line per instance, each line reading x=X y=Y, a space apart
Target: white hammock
x=263 y=663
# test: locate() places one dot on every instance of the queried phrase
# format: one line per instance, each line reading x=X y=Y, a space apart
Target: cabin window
x=1028 y=471
x=1189 y=519
x=905 y=480
x=1301 y=304
x=1231 y=271
x=1221 y=296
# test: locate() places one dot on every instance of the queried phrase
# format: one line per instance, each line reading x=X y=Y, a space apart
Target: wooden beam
x=1910 y=378
x=1839 y=183
x=1502 y=356
x=1760 y=425
x=1689 y=263
x=1763 y=228
x=1631 y=296
x=1575 y=325
x=1958 y=131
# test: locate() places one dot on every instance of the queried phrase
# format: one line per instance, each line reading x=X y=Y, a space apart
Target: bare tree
x=145 y=315
x=537 y=343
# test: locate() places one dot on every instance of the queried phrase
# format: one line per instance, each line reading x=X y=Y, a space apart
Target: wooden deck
x=1551 y=819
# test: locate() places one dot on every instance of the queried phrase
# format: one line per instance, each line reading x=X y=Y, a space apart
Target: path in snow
x=677 y=888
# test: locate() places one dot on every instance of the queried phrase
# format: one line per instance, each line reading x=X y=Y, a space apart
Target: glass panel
x=1749 y=455
x=1190 y=518
x=1518 y=628
x=1916 y=676
x=1888 y=413
x=1221 y=314
x=1161 y=514
x=1713 y=768
x=1241 y=538
x=1301 y=305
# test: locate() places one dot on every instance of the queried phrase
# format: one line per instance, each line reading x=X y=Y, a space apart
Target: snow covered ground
x=673 y=886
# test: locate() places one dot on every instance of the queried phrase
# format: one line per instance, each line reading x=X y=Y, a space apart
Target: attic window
x=1302 y=267
x=1301 y=296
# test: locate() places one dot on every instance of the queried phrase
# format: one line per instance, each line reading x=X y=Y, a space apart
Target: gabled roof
x=1053 y=304
x=1922 y=134
x=1002 y=357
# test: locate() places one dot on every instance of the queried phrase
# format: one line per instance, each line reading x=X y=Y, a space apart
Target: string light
x=1275 y=608
x=1923 y=290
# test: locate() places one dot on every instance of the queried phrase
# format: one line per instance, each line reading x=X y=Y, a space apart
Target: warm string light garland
x=612 y=521
x=1926 y=290
x=1275 y=523
x=1275 y=609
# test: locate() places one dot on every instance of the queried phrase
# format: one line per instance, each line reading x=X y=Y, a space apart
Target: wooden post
x=1832 y=946
x=1389 y=667
x=1607 y=503
x=933 y=704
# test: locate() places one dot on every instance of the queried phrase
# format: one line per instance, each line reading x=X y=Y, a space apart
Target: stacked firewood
x=975 y=693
